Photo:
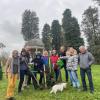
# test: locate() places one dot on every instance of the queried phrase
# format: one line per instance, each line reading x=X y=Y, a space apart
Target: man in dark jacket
x=24 y=70
x=38 y=66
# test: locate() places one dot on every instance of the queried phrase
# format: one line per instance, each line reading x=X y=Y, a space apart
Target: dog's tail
x=51 y=91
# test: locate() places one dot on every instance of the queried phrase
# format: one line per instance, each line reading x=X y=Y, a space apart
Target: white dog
x=58 y=87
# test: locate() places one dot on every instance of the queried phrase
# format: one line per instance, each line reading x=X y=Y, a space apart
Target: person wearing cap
x=86 y=59
x=38 y=66
x=12 y=73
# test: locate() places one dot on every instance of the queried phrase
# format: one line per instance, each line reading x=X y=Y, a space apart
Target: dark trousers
x=56 y=74
x=41 y=77
x=89 y=75
x=1 y=74
x=22 y=75
x=29 y=80
x=66 y=73
x=35 y=74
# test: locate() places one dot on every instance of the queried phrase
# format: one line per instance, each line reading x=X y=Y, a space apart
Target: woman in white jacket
x=71 y=65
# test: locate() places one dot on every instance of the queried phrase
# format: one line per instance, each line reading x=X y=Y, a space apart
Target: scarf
x=15 y=62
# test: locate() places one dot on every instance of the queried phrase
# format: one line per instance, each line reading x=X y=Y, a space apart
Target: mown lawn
x=68 y=94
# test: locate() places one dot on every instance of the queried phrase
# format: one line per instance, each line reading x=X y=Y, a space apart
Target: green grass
x=68 y=94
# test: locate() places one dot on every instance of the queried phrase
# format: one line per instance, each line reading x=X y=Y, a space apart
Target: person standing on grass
x=63 y=53
x=30 y=57
x=45 y=59
x=54 y=58
x=38 y=67
x=86 y=59
x=47 y=75
x=24 y=70
x=1 y=73
x=12 y=73
x=71 y=65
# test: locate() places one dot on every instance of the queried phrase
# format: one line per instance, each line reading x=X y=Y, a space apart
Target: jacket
x=86 y=60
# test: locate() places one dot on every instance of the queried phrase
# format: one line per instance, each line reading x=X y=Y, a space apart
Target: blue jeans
x=89 y=75
x=74 y=79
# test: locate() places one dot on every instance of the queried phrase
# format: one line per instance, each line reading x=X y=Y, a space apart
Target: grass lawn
x=68 y=94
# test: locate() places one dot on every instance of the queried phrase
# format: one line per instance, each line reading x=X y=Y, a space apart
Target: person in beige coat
x=12 y=73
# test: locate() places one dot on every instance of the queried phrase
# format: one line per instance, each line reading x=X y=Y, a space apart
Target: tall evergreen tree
x=90 y=23
x=62 y=37
x=1 y=72
x=91 y=27
x=71 y=29
x=30 y=24
x=46 y=36
x=56 y=32
x=2 y=45
x=98 y=1
x=35 y=25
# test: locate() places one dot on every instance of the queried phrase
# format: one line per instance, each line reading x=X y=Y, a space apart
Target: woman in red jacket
x=54 y=57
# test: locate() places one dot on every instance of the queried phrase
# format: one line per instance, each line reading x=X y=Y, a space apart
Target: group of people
x=26 y=66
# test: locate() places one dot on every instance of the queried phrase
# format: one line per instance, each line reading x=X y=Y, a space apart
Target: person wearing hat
x=38 y=66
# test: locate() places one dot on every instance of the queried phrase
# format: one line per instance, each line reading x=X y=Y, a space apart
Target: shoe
x=28 y=86
x=7 y=99
x=78 y=84
x=84 y=90
x=91 y=91
x=19 y=93
x=78 y=89
x=66 y=80
x=36 y=87
x=71 y=84
x=11 y=98
x=22 y=88
x=74 y=85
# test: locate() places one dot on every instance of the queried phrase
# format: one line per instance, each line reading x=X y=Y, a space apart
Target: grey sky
x=47 y=10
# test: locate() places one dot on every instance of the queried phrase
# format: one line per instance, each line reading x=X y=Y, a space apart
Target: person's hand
x=59 y=58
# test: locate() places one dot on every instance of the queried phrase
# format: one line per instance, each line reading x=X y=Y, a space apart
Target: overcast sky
x=47 y=10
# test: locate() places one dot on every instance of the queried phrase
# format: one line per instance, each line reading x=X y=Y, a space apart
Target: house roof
x=34 y=43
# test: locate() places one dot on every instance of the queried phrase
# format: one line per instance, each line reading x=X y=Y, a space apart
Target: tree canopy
x=71 y=30
x=30 y=25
